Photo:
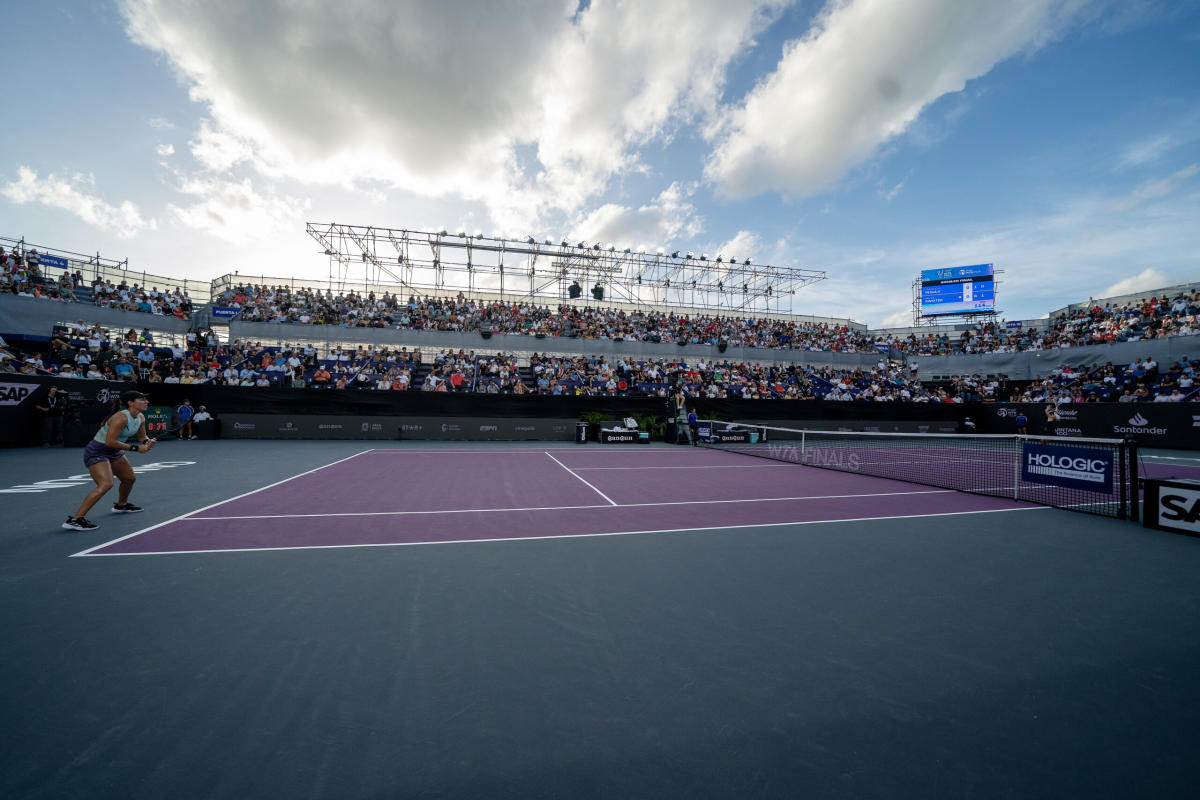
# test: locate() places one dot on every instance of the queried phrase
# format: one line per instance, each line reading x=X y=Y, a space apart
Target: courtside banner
x=1069 y=466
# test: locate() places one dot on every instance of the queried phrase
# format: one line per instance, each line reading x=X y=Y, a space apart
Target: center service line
x=568 y=469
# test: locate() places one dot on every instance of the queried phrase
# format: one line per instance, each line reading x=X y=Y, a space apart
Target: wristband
x=134 y=448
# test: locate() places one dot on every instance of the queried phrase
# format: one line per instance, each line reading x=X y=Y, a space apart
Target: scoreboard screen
x=958 y=290
x=158 y=420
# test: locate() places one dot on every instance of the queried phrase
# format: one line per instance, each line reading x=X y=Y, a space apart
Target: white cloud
x=165 y=150
x=859 y=79
x=1155 y=189
x=1147 y=150
x=745 y=244
x=160 y=123
x=410 y=95
x=219 y=151
x=1145 y=280
x=669 y=216
x=233 y=211
x=76 y=195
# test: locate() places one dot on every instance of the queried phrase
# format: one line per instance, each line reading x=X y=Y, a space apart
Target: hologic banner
x=1072 y=467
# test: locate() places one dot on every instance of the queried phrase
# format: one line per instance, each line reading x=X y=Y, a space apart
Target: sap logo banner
x=1066 y=466
x=1179 y=508
x=12 y=394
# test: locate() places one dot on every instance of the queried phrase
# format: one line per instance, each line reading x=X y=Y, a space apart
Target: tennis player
x=104 y=458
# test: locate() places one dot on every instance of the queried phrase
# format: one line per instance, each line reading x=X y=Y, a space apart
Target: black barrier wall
x=87 y=404
x=1175 y=425
x=1170 y=425
x=324 y=426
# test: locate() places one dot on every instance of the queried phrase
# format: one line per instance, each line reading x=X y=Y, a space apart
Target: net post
x=1017 y=470
x=1132 y=448
x=1123 y=476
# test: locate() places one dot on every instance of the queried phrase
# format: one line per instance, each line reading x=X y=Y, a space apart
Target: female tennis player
x=104 y=457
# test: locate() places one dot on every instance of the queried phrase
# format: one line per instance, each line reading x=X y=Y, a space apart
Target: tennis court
x=424 y=496
x=315 y=619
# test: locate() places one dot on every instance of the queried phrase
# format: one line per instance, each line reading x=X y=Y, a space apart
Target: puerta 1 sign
x=958 y=290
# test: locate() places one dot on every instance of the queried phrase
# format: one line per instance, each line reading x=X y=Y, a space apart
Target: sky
x=871 y=139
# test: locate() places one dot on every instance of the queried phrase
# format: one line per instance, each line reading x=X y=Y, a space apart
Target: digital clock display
x=158 y=420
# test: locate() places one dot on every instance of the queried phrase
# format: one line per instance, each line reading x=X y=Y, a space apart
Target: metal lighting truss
x=425 y=262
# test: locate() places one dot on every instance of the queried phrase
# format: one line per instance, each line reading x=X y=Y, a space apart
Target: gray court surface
x=1022 y=653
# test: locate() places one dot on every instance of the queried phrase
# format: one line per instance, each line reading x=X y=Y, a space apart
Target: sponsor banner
x=322 y=426
x=1171 y=425
x=1013 y=323
x=225 y=312
x=1069 y=466
x=486 y=429
x=13 y=394
x=1177 y=507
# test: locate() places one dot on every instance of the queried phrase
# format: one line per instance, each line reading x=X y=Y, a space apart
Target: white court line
x=573 y=508
x=220 y=502
x=708 y=466
x=568 y=469
x=610 y=448
x=565 y=535
x=1168 y=458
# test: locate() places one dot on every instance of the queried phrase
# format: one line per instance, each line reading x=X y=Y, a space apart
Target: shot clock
x=158 y=420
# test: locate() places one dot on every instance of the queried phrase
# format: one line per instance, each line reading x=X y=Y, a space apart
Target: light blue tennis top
x=132 y=426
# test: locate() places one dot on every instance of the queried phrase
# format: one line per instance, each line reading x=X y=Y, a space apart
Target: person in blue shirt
x=184 y=414
x=104 y=457
x=693 y=427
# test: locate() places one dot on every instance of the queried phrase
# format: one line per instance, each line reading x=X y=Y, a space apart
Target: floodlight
x=661 y=251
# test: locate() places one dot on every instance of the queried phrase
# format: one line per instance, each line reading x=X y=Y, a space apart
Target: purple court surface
x=400 y=497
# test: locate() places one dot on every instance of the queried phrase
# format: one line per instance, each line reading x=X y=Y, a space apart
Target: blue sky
x=866 y=138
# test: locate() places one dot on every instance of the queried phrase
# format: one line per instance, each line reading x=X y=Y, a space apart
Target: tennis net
x=1095 y=476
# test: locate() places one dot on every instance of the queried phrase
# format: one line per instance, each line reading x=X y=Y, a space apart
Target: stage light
x=661 y=252
x=718 y=259
x=675 y=254
x=564 y=243
x=530 y=241
x=478 y=234
x=704 y=256
x=691 y=254
x=581 y=245
x=747 y=262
